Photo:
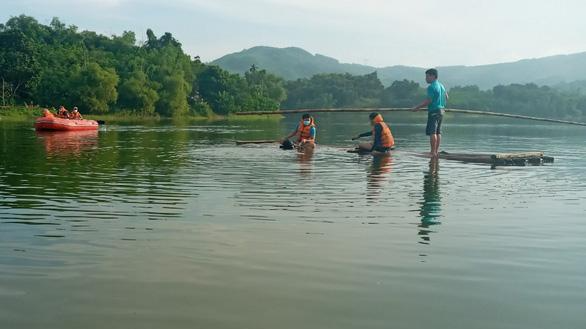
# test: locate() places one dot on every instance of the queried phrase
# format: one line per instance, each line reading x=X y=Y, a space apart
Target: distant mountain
x=290 y=63
x=294 y=63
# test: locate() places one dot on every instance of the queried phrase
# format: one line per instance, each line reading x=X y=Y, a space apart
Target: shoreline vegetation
x=53 y=65
x=122 y=79
x=25 y=114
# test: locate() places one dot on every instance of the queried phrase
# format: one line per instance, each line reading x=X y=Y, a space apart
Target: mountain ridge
x=293 y=63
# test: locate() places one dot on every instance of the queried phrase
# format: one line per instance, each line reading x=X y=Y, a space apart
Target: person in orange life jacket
x=63 y=113
x=75 y=115
x=47 y=113
x=305 y=133
x=382 y=141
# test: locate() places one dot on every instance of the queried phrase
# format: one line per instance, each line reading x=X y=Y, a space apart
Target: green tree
x=402 y=93
x=19 y=65
x=266 y=91
x=138 y=93
x=95 y=88
x=173 y=95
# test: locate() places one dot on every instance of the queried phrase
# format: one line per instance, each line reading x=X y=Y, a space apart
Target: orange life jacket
x=304 y=132
x=387 y=139
x=47 y=113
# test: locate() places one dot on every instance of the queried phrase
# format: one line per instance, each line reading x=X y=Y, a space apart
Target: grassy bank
x=30 y=113
x=19 y=113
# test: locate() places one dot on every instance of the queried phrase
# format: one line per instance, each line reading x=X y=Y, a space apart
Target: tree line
x=55 y=64
x=345 y=90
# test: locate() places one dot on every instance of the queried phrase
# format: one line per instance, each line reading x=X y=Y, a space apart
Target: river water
x=174 y=226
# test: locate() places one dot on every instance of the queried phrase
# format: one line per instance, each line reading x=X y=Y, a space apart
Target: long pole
x=352 y=110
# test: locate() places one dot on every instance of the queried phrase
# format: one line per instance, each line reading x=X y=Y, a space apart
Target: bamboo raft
x=500 y=159
x=269 y=141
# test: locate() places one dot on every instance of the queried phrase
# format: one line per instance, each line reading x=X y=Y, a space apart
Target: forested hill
x=289 y=63
x=56 y=64
x=294 y=63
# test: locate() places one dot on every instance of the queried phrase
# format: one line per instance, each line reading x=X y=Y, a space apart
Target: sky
x=380 y=33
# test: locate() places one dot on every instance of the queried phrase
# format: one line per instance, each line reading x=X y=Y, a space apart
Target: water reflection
x=305 y=163
x=68 y=142
x=378 y=173
x=430 y=207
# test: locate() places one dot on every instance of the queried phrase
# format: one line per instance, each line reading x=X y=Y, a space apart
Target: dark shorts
x=434 y=123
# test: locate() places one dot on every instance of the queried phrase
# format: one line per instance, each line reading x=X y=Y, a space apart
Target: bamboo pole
x=257 y=142
x=461 y=111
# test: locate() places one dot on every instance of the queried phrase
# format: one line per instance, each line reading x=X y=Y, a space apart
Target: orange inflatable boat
x=51 y=122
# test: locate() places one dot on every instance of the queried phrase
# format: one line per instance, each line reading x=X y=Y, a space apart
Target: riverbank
x=30 y=113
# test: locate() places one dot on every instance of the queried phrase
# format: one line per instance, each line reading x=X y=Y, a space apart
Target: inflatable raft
x=61 y=124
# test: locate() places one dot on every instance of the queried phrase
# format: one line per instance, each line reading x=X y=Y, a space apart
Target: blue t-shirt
x=312 y=132
x=436 y=92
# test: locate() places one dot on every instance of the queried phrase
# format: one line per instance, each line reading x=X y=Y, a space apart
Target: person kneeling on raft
x=305 y=134
x=383 y=140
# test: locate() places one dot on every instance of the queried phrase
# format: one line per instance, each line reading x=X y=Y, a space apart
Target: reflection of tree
x=431 y=205
x=133 y=166
x=377 y=175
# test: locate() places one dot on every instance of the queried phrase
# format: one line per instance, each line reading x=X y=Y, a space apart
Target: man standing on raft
x=436 y=103
x=382 y=141
x=305 y=134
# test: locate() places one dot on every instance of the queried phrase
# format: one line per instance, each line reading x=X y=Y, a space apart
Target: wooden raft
x=500 y=159
x=271 y=141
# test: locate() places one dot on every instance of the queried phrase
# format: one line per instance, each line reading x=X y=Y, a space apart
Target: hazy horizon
x=379 y=33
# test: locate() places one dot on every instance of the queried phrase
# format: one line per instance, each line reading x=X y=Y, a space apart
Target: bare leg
x=432 y=139
x=365 y=146
x=437 y=143
x=306 y=147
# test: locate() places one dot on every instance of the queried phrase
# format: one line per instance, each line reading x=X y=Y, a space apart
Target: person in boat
x=47 y=113
x=305 y=134
x=75 y=115
x=63 y=113
x=436 y=103
x=382 y=137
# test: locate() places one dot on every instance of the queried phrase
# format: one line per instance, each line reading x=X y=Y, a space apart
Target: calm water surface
x=173 y=226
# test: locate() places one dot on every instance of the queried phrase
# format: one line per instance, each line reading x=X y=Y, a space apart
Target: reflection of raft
x=59 y=143
x=360 y=151
x=500 y=159
x=60 y=124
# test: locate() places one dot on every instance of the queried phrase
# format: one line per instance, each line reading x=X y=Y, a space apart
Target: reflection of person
x=305 y=134
x=305 y=164
x=431 y=206
x=382 y=138
x=377 y=174
x=436 y=103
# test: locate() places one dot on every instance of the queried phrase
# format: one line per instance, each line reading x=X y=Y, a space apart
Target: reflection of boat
x=61 y=124
x=68 y=142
